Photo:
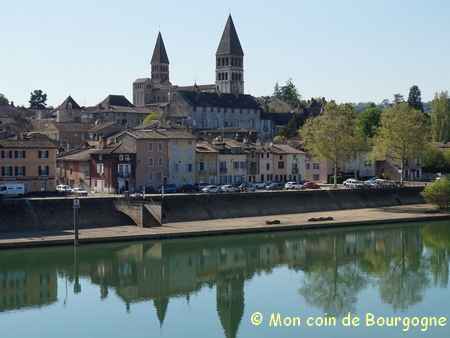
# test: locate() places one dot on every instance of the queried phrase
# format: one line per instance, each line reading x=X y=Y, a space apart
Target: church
x=221 y=108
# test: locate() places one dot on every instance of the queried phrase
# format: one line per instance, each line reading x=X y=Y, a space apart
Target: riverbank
x=299 y=221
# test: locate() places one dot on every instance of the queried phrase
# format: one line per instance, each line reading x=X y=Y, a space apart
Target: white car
x=63 y=188
x=293 y=186
x=353 y=183
x=211 y=189
x=228 y=188
x=79 y=192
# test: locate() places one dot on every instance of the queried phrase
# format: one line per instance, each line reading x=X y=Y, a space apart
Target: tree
x=438 y=193
x=368 y=121
x=38 y=99
x=434 y=160
x=440 y=117
x=332 y=135
x=288 y=93
x=398 y=98
x=415 y=98
x=3 y=100
x=150 y=118
x=402 y=135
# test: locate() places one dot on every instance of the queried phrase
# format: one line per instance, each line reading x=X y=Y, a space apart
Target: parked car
x=168 y=189
x=274 y=186
x=12 y=189
x=79 y=192
x=187 y=188
x=210 y=189
x=310 y=185
x=385 y=183
x=353 y=183
x=293 y=186
x=229 y=188
x=63 y=188
x=200 y=186
x=247 y=187
x=137 y=195
x=260 y=186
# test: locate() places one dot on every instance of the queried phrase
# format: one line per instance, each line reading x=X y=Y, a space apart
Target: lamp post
x=76 y=219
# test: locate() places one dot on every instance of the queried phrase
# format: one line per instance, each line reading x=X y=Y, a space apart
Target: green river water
x=213 y=286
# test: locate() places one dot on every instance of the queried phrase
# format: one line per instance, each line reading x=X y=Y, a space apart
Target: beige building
x=31 y=160
x=74 y=168
x=206 y=163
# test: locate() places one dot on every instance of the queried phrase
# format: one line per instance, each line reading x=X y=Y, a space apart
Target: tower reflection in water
x=337 y=265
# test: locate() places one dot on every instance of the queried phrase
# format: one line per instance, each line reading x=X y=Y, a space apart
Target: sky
x=349 y=51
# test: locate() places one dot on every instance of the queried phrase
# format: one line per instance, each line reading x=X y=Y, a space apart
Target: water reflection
x=401 y=262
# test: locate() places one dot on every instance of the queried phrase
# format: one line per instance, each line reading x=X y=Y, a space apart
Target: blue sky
x=344 y=50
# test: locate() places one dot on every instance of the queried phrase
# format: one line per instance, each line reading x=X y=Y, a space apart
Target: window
x=189 y=167
x=308 y=166
x=19 y=171
x=202 y=166
x=44 y=170
x=267 y=155
x=243 y=165
x=316 y=166
x=268 y=166
x=100 y=169
x=160 y=162
x=281 y=165
x=120 y=157
x=159 y=147
x=150 y=162
x=126 y=157
x=316 y=177
x=43 y=154
x=236 y=165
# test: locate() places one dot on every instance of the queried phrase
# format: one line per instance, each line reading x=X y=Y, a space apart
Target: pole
x=76 y=220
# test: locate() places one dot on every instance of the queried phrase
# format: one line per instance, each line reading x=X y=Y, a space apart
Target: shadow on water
x=401 y=261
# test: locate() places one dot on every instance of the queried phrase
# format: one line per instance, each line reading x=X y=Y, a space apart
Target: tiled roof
x=205 y=147
x=78 y=155
x=285 y=149
x=69 y=103
x=160 y=134
x=229 y=43
x=116 y=100
x=32 y=141
x=203 y=99
x=159 y=53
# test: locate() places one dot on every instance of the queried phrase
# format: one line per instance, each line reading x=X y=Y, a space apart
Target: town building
x=206 y=163
x=288 y=163
x=74 y=168
x=162 y=156
x=30 y=160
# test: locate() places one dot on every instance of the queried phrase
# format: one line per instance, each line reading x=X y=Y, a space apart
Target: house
x=206 y=163
x=162 y=155
x=288 y=163
x=30 y=160
x=113 y=169
x=74 y=168
x=231 y=161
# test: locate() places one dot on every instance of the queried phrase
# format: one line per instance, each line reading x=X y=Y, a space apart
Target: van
x=12 y=189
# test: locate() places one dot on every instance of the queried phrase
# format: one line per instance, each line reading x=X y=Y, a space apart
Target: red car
x=310 y=185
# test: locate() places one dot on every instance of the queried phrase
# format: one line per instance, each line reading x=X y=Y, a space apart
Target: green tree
x=402 y=135
x=415 y=98
x=368 y=121
x=150 y=118
x=440 y=117
x=38 y=99
x=332 y=135
x=434 y=160
x=438 y=193
x=3 y=100
x=288 y=93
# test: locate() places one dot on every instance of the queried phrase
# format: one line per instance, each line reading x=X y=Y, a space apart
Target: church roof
x=204 y=99
x=159 y=53
x=229 y=43
x=69 y=103
x=116 y=100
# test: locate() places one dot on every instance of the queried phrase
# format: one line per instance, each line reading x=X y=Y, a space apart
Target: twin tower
x=229 y=62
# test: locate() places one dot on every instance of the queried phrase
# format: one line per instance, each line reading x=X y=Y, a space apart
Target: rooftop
x=202 y=99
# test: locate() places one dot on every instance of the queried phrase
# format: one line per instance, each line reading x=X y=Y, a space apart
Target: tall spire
x=229 y=43
x=159 y=53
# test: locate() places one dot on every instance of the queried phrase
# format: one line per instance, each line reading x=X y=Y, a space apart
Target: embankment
x=39 y=214
x=183 y=208
x=57 y=214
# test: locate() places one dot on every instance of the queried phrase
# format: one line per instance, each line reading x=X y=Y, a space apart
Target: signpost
x=76 y=219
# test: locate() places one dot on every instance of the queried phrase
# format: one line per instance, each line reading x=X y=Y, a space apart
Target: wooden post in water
x=76 y=219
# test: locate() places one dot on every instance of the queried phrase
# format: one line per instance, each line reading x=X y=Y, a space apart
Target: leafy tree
x=440 y=117
x=415 y=98
x=279 y=139
x=3 y=100
x=402 y=135
x=150 y=118
x=332 y=135
x=368 y=121
x=438 y=193
x=434 y=160
x=288 y=93
x=38 y=99
x=398 y=98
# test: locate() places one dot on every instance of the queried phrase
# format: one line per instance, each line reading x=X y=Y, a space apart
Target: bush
x=438 y=193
